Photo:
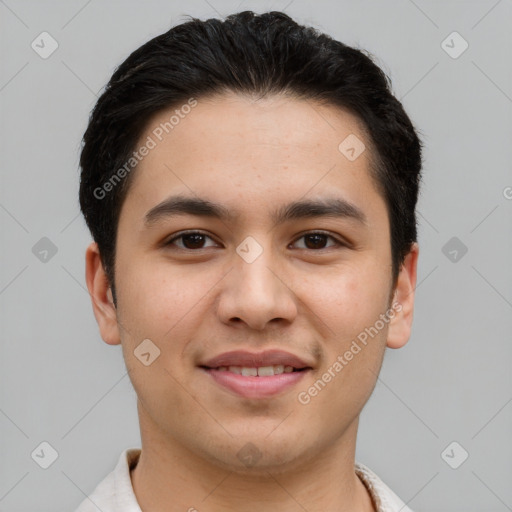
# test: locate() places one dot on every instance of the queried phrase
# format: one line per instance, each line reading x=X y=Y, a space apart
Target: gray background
x=60 y=383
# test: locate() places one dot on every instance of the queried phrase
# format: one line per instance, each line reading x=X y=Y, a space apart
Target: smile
x=256 y=383
x=261 y=371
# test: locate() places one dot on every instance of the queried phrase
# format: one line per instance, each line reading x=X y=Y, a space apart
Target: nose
x=257 y=293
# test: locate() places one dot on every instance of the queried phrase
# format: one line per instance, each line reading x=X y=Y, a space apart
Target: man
x=250 y=185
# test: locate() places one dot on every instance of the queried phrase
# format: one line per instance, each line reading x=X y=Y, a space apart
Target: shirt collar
x=116 y=492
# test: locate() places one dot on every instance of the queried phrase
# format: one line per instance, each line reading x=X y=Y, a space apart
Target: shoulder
x=115 y=492
x=385 y=499
x=102 y=497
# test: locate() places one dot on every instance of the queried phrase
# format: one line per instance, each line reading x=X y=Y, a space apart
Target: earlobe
x=101 y=296
x=400 y=326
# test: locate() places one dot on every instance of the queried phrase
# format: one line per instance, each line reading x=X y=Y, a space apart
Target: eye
x=191 y=239
x=317 y=239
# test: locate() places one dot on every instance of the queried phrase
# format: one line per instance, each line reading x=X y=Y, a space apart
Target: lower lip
x=256 y=387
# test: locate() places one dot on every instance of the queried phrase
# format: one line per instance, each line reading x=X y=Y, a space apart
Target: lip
x=256 y=359
x=255 y=387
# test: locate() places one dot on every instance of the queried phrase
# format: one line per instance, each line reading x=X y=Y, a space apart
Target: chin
x=259 y=453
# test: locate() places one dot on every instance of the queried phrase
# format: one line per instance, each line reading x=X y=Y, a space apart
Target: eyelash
x=339 y=243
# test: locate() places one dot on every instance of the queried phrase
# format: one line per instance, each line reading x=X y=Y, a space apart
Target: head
x=251 y=113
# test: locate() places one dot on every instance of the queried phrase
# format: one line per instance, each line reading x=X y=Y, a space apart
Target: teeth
x=265 y=371
x=261 y=371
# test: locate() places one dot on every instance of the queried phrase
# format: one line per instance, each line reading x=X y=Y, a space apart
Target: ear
x=400 y=325
x=101 y=296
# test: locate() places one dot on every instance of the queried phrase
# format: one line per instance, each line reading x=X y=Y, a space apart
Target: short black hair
x=250 y=54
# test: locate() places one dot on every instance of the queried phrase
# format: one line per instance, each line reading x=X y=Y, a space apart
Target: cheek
x=354 y=349
x=159 y=300
x=163 y=305
x=347 y=300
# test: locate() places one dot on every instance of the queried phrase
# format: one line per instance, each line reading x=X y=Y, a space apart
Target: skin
x=196 y=303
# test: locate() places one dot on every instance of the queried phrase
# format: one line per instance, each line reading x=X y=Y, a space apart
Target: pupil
x=196 y=240
x=315 y=237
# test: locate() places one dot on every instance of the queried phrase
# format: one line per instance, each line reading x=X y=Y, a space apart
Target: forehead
x=234 y=148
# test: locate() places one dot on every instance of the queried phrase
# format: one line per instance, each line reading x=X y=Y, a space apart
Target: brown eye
x=190 y=240
x=317 y=240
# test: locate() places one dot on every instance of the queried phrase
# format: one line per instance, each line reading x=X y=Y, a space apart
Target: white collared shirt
x=115 y=492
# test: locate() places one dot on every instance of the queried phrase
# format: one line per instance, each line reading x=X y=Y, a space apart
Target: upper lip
x=256 y=359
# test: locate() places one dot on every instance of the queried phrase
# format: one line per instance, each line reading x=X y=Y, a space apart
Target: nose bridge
x=253 y=270
x=256 y=293
x=257 y=274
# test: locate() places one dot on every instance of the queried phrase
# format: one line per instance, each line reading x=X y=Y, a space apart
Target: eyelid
x=336 y=237
x=179 y=234
x=340 y=242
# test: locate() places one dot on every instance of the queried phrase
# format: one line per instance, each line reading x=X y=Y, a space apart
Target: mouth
x=255 y=383
x=261 y=371
x=275 y=361
x=255 y=376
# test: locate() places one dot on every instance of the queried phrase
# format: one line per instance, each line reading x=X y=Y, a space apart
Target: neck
x=169 y=477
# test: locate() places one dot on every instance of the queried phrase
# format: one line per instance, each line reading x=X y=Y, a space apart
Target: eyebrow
x=311 y=208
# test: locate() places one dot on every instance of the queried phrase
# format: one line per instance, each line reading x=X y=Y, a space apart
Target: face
x=254 y=275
